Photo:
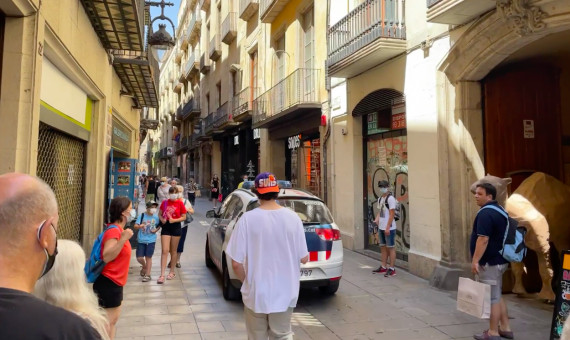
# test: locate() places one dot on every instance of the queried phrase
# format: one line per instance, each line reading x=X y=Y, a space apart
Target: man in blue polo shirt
x=486 y=243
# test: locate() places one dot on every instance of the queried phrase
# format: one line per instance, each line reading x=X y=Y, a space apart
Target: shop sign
x=256 y=133
x=169 y=151
x=398 y=116
x=528 y=129
x=236 y=140
x=294 y=142
x=121 y=138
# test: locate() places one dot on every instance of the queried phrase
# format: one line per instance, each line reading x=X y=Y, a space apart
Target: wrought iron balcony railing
x=193 y=63
x=229 y=28
x=224 y=116
x=366 y=24
x=247 y=8
x=243 y=103
x=299 y=88
x=195 y=27
x=209 y=122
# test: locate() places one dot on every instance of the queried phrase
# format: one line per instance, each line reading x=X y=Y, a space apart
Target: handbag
x=220 y=197
x=189 y=217
x=198 y=193
x=474 y=298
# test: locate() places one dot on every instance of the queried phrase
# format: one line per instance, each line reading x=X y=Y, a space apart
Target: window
x=309 y=211
x=309 y=54
x=253 y=75
x=280 y=56
x=235 y=85
x=219 y=88
x=207 y=103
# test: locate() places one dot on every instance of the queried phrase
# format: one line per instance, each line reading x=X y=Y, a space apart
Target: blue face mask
x=383 y=190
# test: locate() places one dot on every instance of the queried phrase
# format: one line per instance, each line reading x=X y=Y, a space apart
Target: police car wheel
x=331 y=288
x=209 y=262
x=230 y=292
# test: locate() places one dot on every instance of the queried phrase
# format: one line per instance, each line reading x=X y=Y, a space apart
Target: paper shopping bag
x=474 y=298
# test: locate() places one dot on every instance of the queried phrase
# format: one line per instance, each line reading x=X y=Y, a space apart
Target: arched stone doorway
x=385 y=153
x=482 y=51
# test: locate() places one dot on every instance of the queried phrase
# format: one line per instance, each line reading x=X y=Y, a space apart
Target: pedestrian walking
x=116 y=250
x=28 y=249
x=147 y=224
x=215 y=188
x=192 y=187
x=184 y=224
x=244 y=178
x=65 y=287
x=162 y=190
x=387 y=230
x=151 y=189
x=267 y=248
x=488 y=264
x=172 y=213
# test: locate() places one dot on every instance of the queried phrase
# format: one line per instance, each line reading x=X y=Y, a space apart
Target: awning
x=137 y=77
x=118 y=23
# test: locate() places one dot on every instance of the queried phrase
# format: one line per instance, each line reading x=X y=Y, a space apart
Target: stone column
x=461 y=163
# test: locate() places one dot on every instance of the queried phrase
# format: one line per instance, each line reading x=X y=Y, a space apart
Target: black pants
x=182 y=240
x=192 y=198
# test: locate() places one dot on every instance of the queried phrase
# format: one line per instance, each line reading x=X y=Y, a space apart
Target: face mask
x=173 y=196
x=180 y=196
x=383 y=190
x=132 y=216
x=152 y=210
x=50 y=259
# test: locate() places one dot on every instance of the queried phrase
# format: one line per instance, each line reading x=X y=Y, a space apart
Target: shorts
x=390 y=242
x=109 y=293
x=145 y=249
x=493 y=276
x=171 y=229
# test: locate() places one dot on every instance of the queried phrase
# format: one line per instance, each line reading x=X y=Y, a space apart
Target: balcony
x=178 y=57
x=204 y=64
x=189 y=110
x=205 y=5
x=195 y=27
x=247 y=9
x=457 y=12
x=224 y=117
x=269 y=9
x=178 y=88
x=192 y=65
x=209 y=123
x=164 y=153
x=229 y=28
x=199 y=132
x=184 y=144
x=215 y=48
x=370 y=34
x=243 y=103
x=295 y=96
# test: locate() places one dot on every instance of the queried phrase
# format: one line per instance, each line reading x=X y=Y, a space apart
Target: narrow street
x=367 y=306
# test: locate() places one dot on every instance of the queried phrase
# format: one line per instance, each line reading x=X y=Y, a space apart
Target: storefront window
x=304 y=163
x=387 y=159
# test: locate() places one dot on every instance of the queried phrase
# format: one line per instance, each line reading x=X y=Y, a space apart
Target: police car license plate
x=306 y=272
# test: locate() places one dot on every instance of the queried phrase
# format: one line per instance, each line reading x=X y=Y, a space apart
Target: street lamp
x=161 y=40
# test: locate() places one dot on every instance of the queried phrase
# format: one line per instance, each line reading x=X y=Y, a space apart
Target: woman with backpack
x=116 y=254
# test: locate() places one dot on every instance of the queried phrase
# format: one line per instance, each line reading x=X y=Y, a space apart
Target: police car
x=324 y=268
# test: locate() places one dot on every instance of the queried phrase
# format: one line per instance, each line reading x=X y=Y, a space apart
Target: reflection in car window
x=309 y=211
x=252 y=205
x=237 y=208
x=227 y=207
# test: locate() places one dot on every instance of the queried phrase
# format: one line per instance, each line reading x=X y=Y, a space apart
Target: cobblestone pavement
x=367 y=306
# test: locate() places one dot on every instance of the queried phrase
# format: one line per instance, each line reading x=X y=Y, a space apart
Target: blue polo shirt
x=491 y=223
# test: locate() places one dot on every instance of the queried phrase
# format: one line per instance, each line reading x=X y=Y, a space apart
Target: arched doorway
x=385 y=158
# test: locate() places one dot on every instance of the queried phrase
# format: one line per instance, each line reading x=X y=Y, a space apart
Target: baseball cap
x=151 y=203
x=266 y=182
x=383 y=184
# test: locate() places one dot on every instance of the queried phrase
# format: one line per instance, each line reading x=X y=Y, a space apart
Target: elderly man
x=28 y=247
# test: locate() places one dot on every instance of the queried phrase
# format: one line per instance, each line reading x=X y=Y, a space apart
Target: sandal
x=143 y=272
x=160 y=280
x=171 y=276
x=178 y=265
x=146 y=278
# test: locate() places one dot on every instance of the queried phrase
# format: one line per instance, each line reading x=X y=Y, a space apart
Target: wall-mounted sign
x=294 y=142
x=236 y=140
x=121 y=137
x=256 y=133
x=398 y=116
x=528 y=128
x=169 y=151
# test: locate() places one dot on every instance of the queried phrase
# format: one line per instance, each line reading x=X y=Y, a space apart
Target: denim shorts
x=390 y=242
x=493 y=276
x=145 y=249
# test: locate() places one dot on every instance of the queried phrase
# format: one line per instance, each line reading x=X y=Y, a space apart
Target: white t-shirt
x=270 y=244
x=385 y=214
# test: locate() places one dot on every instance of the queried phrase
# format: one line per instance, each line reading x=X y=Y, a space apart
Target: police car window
x=237 y=208
x=252 y=205
x=309 y=211
x=226 y=205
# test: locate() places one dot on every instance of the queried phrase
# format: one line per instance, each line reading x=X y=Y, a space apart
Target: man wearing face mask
x=387 y=229
x=32 y=236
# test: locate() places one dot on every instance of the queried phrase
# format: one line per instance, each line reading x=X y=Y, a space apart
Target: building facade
x=432 y=96
x=70 y=93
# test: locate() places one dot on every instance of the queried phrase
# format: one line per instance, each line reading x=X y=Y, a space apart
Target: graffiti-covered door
x=387 y=159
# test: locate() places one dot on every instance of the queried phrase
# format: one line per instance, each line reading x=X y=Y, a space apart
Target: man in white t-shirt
x=387 y=229
x=267 y=247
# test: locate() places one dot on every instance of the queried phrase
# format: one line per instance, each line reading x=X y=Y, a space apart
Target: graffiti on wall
x=387 y=159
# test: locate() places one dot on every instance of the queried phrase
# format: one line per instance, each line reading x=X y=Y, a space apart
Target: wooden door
x=525 y=94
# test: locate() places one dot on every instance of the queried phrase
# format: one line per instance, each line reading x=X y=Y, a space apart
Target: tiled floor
x=367 y=306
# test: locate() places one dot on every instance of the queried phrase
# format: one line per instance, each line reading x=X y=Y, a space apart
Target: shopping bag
x=220 y=197
x=198 y=193
x=474 y=298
